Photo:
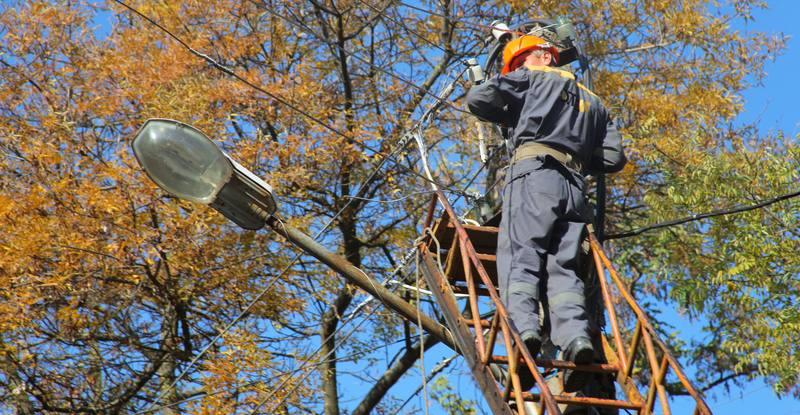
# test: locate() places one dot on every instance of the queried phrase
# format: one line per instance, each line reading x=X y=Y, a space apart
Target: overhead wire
x=440 y=366
x=236 y=320
x=218 y=336
x=229 y=72
x=301 y=368
x=442 y=97
x=324 y=358
x=412 y=31
x=400 y=199
x=383 y=160
x=349 y=318
x=422 y=290
x=478 y=25
x=202 y=395
x=696 y=217
x=423 y=157
x=439 y=100
x=421 y=344
x=615 y=236
x=740 y=396
x=307 y=29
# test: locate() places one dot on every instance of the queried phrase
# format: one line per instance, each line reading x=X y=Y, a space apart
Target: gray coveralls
x=544 y=204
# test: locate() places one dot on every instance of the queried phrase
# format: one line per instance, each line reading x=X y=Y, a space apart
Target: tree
x=111 y=288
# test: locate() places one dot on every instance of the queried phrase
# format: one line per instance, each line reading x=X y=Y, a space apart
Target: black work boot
x=579 y=351
x=533 y=341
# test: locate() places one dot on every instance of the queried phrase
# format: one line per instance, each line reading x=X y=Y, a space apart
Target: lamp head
x=181 y=160
x=186 y=163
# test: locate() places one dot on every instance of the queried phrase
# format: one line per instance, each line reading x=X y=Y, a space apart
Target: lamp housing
x=187 y=164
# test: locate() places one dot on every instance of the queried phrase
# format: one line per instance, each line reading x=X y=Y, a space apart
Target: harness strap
x=533 y=149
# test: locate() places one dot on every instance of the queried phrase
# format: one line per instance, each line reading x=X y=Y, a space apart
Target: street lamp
x=186 y=163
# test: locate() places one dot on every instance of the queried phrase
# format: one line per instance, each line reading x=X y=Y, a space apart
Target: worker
x=558 y=131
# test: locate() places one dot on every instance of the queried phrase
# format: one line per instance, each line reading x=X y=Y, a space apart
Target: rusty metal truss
x=458 y=258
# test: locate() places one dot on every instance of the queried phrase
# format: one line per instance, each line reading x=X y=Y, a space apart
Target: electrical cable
x=423 y=157
x=439 y=101
x=304 y=366
x=324 y=358
x=218 y=336
x=696 y=217
x=483 y=166
x=307 y=364
x=443 y=364
x=352 y=315
x=237 y=318
x=424 y=291
x=352 y=55
x=233 y=74
x=478 y=25
x=249 y=384
x=741 y=396
x=421 y=343
x=229 y=72
x=417 y=34
x=337 y=331
x=425 y=192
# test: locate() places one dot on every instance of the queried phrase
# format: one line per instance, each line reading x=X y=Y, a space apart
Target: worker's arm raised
x=486 y=103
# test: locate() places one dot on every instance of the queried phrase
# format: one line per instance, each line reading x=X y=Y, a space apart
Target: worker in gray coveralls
x=558 y=130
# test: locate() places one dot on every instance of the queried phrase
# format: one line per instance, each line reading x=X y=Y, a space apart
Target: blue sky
x=774 y=104
x=777 y=98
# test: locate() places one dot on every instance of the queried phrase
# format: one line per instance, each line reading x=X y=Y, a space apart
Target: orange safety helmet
x=523 y=44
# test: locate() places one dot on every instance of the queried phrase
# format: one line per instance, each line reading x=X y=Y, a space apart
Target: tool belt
x=532 y=149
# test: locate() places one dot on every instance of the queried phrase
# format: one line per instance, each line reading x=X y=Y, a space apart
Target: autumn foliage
x=109 y=288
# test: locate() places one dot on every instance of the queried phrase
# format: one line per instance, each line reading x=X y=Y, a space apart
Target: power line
x=412 y=31
x=701 y=216
x=400 y=147
x=477 y=25
x=616 y=236
x=740 y=397
x=324 y=358
x=403 y=142
x=353 y=55
x=221 y=333
x=229 y=72
x=307 y=364
x=203 y=395
x=240 y=315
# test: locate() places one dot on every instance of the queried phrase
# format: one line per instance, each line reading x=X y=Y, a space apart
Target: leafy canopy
x=110 y=287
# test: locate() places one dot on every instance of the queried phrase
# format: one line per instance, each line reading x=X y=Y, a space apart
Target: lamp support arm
x=359 y=278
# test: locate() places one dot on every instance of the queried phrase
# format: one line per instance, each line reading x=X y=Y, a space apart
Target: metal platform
x=459 y=258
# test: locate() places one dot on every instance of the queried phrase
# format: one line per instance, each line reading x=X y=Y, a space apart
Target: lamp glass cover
x=181 y=160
